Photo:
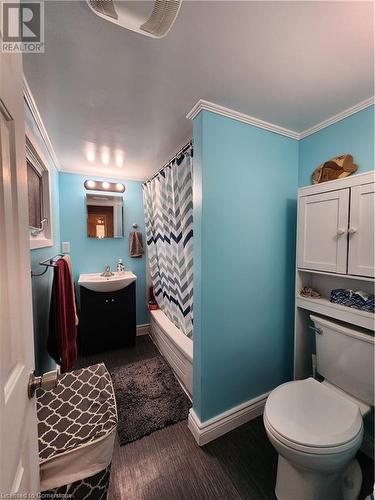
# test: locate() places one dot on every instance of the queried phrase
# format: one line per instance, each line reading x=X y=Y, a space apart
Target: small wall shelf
x=323 y=306
x=346 y=276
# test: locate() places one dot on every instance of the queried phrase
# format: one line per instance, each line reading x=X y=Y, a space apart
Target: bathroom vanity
x=107 y=313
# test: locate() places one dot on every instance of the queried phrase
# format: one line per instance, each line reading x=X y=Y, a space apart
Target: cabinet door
x=322 y=231
x=361 y=230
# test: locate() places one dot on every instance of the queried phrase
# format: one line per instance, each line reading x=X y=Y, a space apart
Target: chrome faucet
x=107 y=272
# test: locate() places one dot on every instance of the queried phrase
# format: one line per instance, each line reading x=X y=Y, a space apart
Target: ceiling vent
x=152 y=18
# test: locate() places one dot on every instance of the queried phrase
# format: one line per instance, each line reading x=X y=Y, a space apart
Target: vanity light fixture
x=115 y=187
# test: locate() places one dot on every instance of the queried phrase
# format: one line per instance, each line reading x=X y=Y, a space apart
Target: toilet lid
x=308 y=413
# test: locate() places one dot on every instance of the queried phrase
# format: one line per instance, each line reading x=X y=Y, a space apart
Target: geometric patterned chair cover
x=76 y=430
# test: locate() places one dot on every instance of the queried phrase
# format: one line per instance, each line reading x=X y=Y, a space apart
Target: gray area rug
x=148 y=398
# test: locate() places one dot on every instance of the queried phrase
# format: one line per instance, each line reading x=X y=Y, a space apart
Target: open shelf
x=337 y=275
x=323 y=306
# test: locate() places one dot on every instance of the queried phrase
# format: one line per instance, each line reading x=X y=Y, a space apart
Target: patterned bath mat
x=148 y=398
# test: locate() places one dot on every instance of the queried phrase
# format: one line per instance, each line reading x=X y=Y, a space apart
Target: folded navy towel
x=358 y=300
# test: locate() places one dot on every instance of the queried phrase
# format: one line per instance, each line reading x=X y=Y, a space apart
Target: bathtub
x=174 y=346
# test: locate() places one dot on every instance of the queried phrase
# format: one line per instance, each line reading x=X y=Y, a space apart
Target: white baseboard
x=143 y=329
x=217 y=426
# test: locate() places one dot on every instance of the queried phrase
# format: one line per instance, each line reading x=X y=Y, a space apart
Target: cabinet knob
x=341 y=231
x=352 y=230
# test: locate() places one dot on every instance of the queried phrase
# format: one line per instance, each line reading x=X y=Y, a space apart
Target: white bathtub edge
x=181 y=341
x=175 y=348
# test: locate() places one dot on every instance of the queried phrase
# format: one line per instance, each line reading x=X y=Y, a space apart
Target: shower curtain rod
x=182 y=150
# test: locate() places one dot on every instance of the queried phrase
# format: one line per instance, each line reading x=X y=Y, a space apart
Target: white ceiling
x=105 y=92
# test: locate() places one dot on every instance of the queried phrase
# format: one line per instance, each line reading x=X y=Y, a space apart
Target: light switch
x=65 y=246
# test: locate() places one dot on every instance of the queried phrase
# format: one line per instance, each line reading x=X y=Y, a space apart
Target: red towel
x=62 y=336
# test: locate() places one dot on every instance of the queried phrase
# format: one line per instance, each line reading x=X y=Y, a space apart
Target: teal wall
x=197 y=261
x=90 y=255
x=245 y=182
x=245 y=185
x=41 y=285
x=69 y=214
x=354 y=135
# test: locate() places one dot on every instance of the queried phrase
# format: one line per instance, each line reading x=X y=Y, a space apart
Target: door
x=322 y=231
x=361 y=231
x=19 y=465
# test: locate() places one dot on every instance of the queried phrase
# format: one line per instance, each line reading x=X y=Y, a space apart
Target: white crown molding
x=204 y=432
x=336 y=118
x=241 y=117
x=39 y=122
x=101 y=175
x=256 y=122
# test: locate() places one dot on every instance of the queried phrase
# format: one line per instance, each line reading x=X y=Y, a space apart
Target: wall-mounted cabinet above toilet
x=335 y=250
x=336 y=229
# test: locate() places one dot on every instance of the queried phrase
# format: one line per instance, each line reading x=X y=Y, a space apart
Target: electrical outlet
x=65 y=246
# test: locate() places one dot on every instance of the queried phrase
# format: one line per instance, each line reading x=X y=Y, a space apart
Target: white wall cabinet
x=335 y=235
x=361 y=261
x=322 y=232
x=335 y=249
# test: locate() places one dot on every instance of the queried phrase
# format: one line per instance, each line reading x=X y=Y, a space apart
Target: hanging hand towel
x=135 y=244
x=68 y=260
x=62 y=335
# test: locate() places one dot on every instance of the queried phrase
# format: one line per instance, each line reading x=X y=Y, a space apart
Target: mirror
x=104 y=216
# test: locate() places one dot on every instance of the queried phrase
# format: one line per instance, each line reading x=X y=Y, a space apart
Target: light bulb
x=90 y=151
x=119 y=187
x=90 y=184
x=119 y=158
x=105 y=185
x=105 y=156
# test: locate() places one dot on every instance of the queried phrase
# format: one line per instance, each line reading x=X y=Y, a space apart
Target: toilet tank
x=345 y=357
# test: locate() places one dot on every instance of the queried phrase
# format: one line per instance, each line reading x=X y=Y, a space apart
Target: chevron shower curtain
x=168 y=202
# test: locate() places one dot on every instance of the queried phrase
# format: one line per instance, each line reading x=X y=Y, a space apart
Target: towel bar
x=50 y=262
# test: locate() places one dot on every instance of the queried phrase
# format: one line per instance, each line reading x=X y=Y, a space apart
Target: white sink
x=98 y=283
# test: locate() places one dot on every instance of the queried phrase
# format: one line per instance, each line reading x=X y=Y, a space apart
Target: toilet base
x=293 y=483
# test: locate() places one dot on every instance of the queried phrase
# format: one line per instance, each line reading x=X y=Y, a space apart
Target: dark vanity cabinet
x=107 y=320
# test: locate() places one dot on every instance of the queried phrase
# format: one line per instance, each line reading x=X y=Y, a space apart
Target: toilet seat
x=308 y=416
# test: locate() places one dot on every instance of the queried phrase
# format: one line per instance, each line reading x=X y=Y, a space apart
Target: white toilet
x=316 y=427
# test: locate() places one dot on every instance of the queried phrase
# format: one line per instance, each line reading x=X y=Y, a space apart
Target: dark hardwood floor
x=169 y=465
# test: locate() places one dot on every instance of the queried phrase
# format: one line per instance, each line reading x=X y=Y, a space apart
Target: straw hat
x=336 y=168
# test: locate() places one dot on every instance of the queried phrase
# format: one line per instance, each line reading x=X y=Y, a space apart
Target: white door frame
x=19 y=461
